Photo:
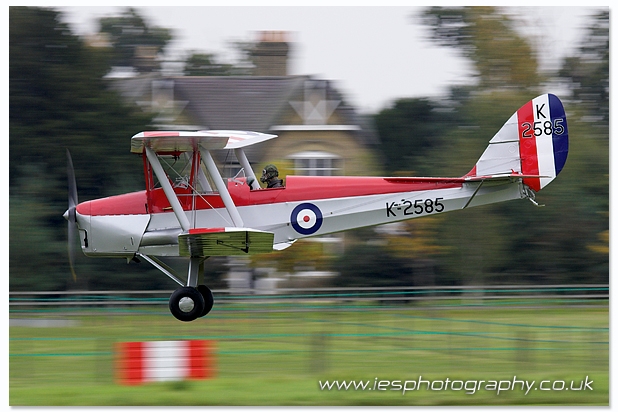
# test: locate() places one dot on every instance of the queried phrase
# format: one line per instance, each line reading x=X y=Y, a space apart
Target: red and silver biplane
x=194 y=213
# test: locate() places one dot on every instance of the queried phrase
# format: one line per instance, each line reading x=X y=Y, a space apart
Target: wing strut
x=221 y=187
x=168 y=189
x=244 y=162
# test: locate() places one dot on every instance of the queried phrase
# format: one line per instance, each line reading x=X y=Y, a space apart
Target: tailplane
x=533 y=143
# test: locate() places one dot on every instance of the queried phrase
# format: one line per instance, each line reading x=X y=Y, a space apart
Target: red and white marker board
x=158 y=361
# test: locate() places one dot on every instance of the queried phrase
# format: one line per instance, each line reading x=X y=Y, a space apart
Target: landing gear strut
x=190 y=301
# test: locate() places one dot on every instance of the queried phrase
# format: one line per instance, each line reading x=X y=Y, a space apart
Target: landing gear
x=190 y=301
x=187 y=304
x=209 y=299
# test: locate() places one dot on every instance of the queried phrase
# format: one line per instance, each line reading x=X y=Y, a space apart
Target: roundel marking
x=306 y=218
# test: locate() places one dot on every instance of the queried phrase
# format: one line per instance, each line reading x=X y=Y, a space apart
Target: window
x=317 y=163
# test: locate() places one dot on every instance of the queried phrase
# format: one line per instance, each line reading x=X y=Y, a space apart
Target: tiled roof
x=242 y=102
x=237 y=103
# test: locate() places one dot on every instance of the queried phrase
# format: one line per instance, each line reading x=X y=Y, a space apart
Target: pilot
x=270 y=176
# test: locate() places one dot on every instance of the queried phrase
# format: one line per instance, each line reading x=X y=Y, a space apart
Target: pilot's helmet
x=269 y=172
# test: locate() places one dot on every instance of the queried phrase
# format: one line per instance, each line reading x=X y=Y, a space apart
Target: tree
x=58 y=100
x=135 y=43
x=371 y=265
x=409 y=130
x=208 y=64
x=512 y=242
x=501 y=57
x=201 y=64
x=588 y=71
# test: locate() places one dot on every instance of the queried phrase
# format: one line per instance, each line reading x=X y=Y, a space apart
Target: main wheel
x=209 y=299
x=187 y=304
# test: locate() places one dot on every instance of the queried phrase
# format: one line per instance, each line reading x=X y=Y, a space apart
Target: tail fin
x=534 y=142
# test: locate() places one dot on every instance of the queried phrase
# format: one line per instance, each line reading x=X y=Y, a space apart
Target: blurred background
x=90 y=92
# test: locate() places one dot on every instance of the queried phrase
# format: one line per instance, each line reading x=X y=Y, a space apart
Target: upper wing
x=177 y=141
x=184 y=141
x=238 y=139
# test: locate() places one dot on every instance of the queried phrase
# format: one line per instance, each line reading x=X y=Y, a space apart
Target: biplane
x=189 y=210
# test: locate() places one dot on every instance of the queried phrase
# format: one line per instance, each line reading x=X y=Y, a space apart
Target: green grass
x=279 y=357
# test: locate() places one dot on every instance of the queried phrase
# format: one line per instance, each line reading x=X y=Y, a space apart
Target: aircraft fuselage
x=120 y=226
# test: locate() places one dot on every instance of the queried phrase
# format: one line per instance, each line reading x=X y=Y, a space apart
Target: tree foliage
x=58 y=100
x=513 y=242
x=409 y=130
x=205 y=64
x=501 y=57
x=588 y=71
x=369 y=264
x=134 y=41
x=209 y=64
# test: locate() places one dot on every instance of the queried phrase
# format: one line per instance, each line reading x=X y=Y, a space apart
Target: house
x=319 y=132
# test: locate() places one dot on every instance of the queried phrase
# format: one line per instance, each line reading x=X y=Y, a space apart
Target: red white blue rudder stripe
x=533 y=143
x=543 y=140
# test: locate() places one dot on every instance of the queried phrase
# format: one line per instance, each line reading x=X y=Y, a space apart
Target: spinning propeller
x=70 y=213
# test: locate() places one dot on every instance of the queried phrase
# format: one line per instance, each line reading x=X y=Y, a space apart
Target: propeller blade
x=70 y=215
x=72 y=185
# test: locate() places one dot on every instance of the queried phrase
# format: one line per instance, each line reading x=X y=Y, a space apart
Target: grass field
x=279 y=356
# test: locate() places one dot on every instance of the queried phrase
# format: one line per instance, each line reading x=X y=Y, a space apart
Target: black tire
x=209 y=299
x=186 y=304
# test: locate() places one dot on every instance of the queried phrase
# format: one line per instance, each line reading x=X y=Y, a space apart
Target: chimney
x=270 y=54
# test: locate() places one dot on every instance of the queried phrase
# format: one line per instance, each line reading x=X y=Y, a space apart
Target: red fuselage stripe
x=297 y=189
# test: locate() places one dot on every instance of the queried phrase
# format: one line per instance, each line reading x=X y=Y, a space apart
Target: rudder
x=534 y=142
x=543 y=139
